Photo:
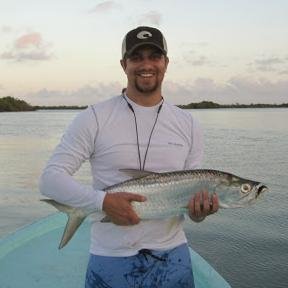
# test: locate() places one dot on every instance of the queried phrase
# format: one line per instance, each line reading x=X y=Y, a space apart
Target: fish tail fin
x=75 y=219
x=61 y=207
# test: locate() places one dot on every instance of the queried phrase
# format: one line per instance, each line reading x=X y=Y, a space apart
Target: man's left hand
x=202 y=205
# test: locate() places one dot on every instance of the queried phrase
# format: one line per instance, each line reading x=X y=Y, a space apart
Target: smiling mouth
x=145 y=74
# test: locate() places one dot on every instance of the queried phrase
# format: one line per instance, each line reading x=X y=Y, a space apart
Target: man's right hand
x=118 y=208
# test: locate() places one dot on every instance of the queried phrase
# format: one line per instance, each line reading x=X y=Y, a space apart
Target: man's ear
x=167 y=62
x=123 y=64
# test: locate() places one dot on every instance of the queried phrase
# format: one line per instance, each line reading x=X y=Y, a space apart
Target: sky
x=61 y=52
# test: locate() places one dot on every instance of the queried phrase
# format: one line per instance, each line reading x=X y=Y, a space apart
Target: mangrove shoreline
x=10 y=104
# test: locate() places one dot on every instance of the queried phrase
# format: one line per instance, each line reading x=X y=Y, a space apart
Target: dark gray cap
x=143 y=35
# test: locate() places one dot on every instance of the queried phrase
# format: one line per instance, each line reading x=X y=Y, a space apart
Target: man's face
x=145 y=69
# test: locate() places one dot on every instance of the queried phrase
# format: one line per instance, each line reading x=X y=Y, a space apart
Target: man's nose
x=146 y=61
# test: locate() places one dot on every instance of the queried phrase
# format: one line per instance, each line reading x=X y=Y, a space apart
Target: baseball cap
x=143 y=35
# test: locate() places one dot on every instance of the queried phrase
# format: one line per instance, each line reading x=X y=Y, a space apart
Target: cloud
x=85 y=95
x=235 y=90
x=269 y=91
x=199 y=61
x=269 y=61
x=195 y=45
x=150 y=18
x=6 y=29
x=268 y=64
x=29 y=40
x=23 y=56
x=105 y=7
x=196 y=59
x=28 y=47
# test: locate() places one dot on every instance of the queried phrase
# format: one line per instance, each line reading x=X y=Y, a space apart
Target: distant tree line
x=9 y=104
x=212 y=105
x=61 y=107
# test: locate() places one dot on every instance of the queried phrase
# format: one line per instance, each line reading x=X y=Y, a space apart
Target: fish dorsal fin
x=135 y=173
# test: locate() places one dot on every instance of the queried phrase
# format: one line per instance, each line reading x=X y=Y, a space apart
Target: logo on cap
x=144 y=35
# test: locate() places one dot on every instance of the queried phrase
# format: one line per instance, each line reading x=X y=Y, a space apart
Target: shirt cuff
x=100 y=195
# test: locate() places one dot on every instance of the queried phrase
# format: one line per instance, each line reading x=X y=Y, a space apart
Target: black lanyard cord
x=137 y=135
x=148 y=145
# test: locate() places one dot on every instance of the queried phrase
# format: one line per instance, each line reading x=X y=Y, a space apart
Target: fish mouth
x=260 y=190
x=255 y=193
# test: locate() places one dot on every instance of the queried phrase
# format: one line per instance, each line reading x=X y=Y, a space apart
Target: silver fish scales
x=168 y=194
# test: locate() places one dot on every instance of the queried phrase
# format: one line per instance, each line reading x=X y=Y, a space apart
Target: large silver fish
x=168 y=194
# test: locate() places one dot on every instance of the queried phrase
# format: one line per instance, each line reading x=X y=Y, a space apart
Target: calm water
x=249 y=247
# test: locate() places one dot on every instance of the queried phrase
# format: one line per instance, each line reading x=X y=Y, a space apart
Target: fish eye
x=245 y=188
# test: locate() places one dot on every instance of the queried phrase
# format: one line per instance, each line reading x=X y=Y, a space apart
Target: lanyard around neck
x=137 y=135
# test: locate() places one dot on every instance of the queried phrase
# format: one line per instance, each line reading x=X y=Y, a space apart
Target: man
x=138 y=130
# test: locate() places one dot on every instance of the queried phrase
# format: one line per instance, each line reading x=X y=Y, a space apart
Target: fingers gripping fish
x=168 y=194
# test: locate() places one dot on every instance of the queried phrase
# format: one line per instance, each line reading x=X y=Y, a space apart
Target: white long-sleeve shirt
x=105 y=135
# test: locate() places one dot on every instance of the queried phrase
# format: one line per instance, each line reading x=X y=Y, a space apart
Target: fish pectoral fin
x=74 y=221
x=135 y=173
x=184 y=210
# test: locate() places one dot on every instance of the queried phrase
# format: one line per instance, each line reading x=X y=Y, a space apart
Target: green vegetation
x=64 y=107
x=212 y=105
x=201 y=105
x=10 y=104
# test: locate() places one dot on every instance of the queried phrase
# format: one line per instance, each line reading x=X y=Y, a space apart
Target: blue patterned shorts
x=148 y=269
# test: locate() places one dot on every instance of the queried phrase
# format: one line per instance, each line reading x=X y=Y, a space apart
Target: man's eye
x=135 y=58
x=156 y=56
